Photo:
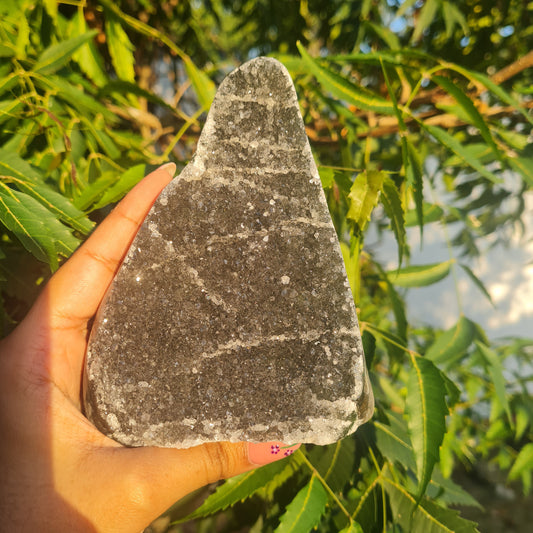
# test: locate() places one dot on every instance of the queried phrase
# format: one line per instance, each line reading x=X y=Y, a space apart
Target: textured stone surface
x=231 y=317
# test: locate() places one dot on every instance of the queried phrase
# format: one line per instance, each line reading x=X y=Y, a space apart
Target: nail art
x=267 y=452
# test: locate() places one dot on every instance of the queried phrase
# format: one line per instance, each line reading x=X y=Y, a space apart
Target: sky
x=507 y=273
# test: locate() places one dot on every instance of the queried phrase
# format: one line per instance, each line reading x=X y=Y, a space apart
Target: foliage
x=419 y=115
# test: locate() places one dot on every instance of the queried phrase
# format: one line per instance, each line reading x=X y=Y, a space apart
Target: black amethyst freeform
x=231 y=318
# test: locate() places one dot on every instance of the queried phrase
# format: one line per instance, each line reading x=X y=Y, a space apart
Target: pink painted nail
x=263 y=453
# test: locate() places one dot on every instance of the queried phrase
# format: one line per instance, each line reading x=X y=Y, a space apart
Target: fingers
x=161 y=476
x=74 y=293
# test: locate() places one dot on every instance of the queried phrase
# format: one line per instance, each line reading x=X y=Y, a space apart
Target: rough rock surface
x=231 y=317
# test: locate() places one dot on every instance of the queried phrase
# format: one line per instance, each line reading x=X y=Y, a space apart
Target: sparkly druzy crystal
x=231 y=317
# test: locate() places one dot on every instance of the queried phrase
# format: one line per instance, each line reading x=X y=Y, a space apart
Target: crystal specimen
x=231 y=318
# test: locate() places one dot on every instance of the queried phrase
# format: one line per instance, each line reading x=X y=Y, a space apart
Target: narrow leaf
x=426 y=409
x=394 y=443
x=415 y=174
x=12 y=164
x=453 y=343
x=235 y=490
x=59 y=205
x=364 y=196
x=334 y=461
x=420 y=275
x=404 y=7
x=37 y=229
x=386 y=336
x=496 y=89
x=470 y=109
x=428 y=517
x=345 y=90
x=10 y=109
x=59 y=54
x=523 y=462
x=123 y=184
x=398 y=306
x=73 y=96
x=305 y=511
x=458 y=149
x=478 y=283
x=120 y=48
x=495 y=368
x=425 y=18
x=87 y=56
x=393 y=207
x=203 y=86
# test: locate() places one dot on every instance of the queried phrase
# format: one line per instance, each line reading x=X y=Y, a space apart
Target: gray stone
x=231 y=317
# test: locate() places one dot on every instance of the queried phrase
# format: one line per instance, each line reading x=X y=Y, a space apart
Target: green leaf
x=390 y=198
x=425 y=18
x=235 y=490
x=343 y=89
x=404 y=7
x=496 y=89
x=398 y=306
x=87 y=56
x=73 y=96
x=426 y=409
x=452 y=15
x=334 y=461
x=120 y=48
x=9 y=109
x=386 y=336
x=414 y=174
x=495 y=368
x=364 y=196
x=102 y=138
x=59 y=54
x=477 y=282
x=523 y=462
x=124 y=183
x=452 y=390
x=394 y=443
x=305 y=511
x=458 y=149
x=453 y=493
x=12 y=164
x=420 y=275
x=327 y=176
x=453 y=343
x=203 y=86
x=93 y=192
x=51 y=8
x=35 y=227
x=125 y=87
x=470 y=109
x=428 y=517
x=59 y=205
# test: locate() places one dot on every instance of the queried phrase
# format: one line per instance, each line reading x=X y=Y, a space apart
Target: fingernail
x=169 y=168
x=263 y=453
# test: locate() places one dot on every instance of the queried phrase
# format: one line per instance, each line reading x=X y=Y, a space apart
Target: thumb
x=165 y=475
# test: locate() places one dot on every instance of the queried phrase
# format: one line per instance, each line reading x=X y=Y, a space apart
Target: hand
x=58 y=472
